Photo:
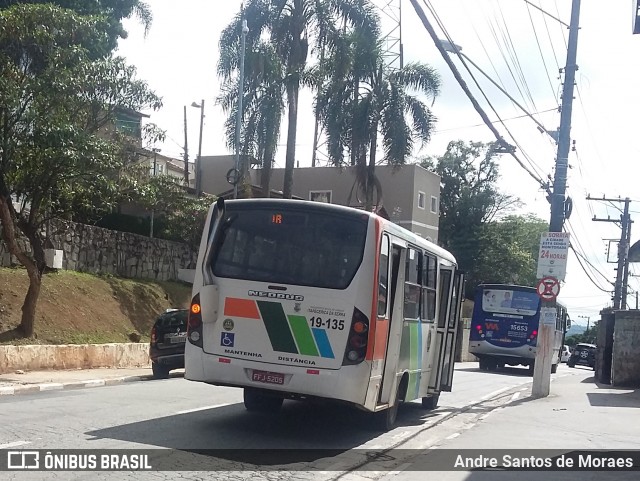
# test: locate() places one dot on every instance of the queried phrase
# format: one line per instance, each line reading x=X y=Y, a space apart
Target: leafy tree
x=56 y=107
x=263 y=102
x=364 y=99
x=292 y=26
x=111 y=11
x=589 y=336
x=489 y=244
x=507 y=251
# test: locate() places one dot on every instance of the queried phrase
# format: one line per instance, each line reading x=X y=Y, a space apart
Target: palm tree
x=382 y=102
x=263 y=104
x=292 y=27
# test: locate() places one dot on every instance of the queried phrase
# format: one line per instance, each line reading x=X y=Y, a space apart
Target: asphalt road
x=184 y=415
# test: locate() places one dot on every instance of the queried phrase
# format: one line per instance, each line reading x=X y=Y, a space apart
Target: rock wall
x=101 y=251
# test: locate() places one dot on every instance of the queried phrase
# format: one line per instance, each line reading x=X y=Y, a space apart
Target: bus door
x=451 y=282
x=395 y=324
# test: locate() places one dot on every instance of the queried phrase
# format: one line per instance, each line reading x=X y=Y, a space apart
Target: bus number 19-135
x=327 y=323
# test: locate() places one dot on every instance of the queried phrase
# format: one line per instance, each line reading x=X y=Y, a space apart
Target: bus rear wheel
x=430 y=402
x=257 y=401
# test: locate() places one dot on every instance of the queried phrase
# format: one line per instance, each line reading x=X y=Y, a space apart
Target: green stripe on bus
x=413 y=346
x=277 y=327
x=302 y=333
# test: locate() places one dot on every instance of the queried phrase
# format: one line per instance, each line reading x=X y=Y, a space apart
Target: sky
x=512 y=42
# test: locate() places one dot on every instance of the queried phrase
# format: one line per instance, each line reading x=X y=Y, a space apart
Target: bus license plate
x=268 y=377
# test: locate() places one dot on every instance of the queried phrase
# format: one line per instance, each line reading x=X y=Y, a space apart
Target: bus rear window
x=508 y=301
x=291 y=246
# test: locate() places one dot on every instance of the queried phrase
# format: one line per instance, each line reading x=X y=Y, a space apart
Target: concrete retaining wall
x=626 y=354
x=70 y=356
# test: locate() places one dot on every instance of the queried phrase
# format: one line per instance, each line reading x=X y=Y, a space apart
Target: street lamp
x=456 y=49
x=155 y=170
x=245 y=31
x=198 y=168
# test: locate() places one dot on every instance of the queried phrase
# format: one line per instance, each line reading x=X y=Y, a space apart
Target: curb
x=58 y=386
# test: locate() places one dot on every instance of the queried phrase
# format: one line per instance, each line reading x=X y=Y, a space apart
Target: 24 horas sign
x=552 y=257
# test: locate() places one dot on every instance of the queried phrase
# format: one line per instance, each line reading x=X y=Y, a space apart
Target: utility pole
x=241 y=168
x=564 y=133
x=622 y=271
x=186 y=150
x=544 y=349
x=198 y=172
x=588 y=318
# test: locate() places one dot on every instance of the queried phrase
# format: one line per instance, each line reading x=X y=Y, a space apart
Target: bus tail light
x=358 y=338
x=194 y=325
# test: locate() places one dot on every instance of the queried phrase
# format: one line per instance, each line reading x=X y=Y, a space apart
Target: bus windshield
x=507 y=301
x=288 y=245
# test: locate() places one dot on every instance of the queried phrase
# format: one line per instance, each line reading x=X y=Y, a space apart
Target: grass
x=80 y=308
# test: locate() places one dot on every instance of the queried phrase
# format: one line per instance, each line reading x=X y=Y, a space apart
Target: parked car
x=584 y=355
x=566 y=354
x=168 y=337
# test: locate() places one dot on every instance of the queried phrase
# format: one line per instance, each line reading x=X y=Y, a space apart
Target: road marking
x=495 y=393
x=204 y=408
x=14 y=444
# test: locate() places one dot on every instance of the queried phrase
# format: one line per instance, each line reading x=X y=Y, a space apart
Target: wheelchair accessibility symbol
x=227 y=339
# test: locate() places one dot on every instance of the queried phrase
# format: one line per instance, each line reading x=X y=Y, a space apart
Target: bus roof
x=391 y=226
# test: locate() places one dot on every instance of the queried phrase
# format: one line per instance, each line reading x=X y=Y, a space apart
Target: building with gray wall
x=410 y=194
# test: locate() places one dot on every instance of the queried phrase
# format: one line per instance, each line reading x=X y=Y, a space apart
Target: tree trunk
x=265 y=176
x=27 y=322
x=355 y=129
x=371 y=168
x=292 y=128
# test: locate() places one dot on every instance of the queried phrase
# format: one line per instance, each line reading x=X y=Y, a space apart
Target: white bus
x=295 y=299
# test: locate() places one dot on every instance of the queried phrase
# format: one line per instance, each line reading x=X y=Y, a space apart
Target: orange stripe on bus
x=373 y=325
x=241 y=308
x=380 y=344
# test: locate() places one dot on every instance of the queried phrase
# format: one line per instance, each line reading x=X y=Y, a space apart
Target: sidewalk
x=577 y=415
x=38 y=381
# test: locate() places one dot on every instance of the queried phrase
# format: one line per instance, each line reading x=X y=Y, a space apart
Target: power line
x=535 y=34
x=427 y=3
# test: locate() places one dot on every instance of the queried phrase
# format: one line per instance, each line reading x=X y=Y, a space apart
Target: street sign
x=548 y=316
x=548 y=288
x=552 y=256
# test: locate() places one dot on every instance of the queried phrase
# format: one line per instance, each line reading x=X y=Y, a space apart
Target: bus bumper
x=349 y=383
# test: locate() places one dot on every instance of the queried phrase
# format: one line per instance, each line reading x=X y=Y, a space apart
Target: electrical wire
x=515 y=58
x=535 y=34
x=564 y=35
x=587 y=274
x=493 y=122
x=536 y=175
x=576 y=241
x=546 y=26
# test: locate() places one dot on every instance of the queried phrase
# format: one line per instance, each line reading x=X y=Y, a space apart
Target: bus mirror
x=568 y=323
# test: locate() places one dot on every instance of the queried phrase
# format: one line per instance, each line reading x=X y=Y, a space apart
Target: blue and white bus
x=504 y=327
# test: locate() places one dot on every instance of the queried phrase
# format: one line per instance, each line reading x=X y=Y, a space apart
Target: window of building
x=320 y=196
x=422 y=200
x=434 y=204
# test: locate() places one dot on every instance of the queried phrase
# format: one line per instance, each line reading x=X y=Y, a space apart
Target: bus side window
x=383 y=277
x=445 y=286
x=428 y=304
x=412 y=284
